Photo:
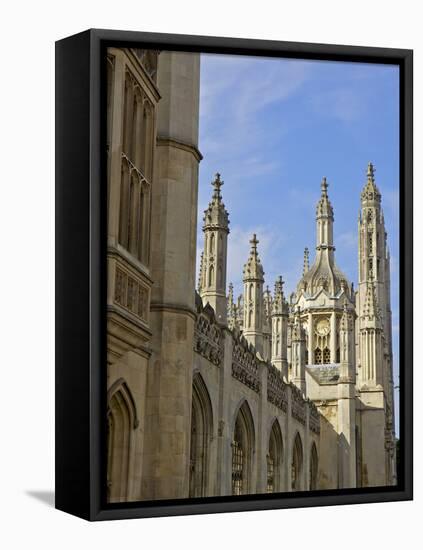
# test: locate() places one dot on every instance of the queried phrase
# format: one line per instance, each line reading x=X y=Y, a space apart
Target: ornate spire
x=370 y=191
x=279 y=287
x=268 y=303
x=371 y=308
x=253 y=270
x=346 y=321
x=201 y=273
x=297 y=333
x=216 y=216
x=231 y=294
x=280 y=305
x=306 y=264
x=232 y=308
x=324 y=207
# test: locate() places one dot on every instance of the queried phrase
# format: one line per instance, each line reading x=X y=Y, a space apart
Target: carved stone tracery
x=245 y=365
x=314 y=418
x=277 y=392
x=298 y=405
x=207 y=335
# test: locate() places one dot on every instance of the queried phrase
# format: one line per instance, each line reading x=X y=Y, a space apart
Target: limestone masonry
x=212 y=394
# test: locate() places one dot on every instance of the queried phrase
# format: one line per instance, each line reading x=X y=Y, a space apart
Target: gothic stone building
x=208 y=395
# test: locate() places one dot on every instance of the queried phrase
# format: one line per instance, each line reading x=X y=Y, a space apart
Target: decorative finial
x=231 y=293
x=324 y=186
x=254 y=242
x=371 y=172
x=370 y=192
x=217 y=184
x=279 y=286
x=306 y=265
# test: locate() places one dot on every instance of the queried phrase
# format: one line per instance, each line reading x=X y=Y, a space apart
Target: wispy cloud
x=235 y=93
x=342 y=104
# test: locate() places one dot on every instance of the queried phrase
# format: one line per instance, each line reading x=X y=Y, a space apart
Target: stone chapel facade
x=211 y=395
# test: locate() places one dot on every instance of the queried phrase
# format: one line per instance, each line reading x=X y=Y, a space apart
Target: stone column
x=310 y=339
x=225 y=428
x=115 y=148
x=174 y=217
x=262 y=433
x=289 y=442
x=333 y=338
x=346 y=404
x=307 y=448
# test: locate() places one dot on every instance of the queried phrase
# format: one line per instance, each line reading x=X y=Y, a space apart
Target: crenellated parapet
x=314 y=418
x=277 y=388
x=298 y=405
x=208 y=338
x=245 y=364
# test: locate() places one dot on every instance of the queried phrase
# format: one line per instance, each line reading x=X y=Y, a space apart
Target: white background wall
x=27 y=37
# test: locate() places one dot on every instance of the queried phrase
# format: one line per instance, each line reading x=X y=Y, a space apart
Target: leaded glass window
x=237 y=466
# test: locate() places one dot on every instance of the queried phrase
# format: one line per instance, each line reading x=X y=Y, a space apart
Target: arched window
x=201 y=432
x=317 y=356
x=314 y=466
x=121 y=422
x=133 y=218
x=128 y=104
x=110 y=87
x=147 y=140
x=211 y=275
x=124 y=204
x=242 y=451
x=274 y=459
x=250 y=291
x=211 y=249
x=297 y=464
x=326 y=355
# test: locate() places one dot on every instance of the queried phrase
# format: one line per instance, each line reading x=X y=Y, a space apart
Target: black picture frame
x=81 y=274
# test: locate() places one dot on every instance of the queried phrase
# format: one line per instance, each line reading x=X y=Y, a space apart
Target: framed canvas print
x=234 y=274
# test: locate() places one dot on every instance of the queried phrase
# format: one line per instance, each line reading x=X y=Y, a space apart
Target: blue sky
x=273 y=128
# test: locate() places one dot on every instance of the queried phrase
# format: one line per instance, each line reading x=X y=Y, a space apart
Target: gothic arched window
x=274 y=458
x=314 y=466
x=137 y=159
x=147 y=141
x=211 y=275
x=121 y=421
x=124 y=204
x=297 y=464
x=242 y=451
x=201 y=432
x=326 y=355
x=250 y=318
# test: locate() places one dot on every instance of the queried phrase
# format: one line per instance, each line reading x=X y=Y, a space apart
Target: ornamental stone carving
x=131 y=294
x=245 y=365
x=298 y=405
x=207 y=334
x=314 y=418
x=277 y=389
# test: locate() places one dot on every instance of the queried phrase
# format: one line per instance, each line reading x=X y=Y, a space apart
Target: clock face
x=322 y=327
